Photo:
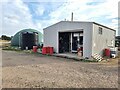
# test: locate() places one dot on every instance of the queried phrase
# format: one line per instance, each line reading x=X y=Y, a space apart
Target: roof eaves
x=104 y=26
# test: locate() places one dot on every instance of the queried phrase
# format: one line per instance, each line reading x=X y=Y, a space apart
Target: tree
x=4 y=37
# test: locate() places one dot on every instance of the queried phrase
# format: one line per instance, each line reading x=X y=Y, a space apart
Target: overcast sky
x=38 y=14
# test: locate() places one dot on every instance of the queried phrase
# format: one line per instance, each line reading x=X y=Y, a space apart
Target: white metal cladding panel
x=50 y=38
x=64 y=26
x=100 y=42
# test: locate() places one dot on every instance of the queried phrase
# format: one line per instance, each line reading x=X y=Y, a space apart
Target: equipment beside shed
x=113 y=52
x=107 y=52
x=110 y=52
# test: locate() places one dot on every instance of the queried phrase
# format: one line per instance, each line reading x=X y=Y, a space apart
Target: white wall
x=51 y=34
x=100 y=42
x=50 y=37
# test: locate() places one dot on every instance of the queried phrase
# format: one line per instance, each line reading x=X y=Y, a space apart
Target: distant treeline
x=4 y=37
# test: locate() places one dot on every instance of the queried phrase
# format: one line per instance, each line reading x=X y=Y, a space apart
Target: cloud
x=100 y=11
x=15 y=17
x=81 y=9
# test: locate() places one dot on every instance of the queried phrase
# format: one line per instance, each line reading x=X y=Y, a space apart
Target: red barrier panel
x=51 y=50
x=44 y=50
x=47 y=50
x=35 y=49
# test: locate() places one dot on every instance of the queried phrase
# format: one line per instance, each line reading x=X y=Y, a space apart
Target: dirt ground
x=23 y=70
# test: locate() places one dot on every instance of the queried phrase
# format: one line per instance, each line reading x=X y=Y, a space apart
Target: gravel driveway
x=22 y=70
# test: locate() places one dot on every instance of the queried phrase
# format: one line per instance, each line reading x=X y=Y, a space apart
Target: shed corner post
x=57 y=51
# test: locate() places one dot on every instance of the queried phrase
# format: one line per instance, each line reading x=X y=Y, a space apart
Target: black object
x=64 y=42
x=28 y=40
x=75 y=44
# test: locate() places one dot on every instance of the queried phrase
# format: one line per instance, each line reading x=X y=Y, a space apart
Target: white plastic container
x=114 y=52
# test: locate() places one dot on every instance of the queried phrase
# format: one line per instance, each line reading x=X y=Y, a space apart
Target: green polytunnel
x=23 y=38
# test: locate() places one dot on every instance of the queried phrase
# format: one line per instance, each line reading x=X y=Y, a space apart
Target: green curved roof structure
x=15 y=39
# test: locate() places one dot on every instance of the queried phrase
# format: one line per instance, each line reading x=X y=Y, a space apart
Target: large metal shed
x=27 y=37
x=67 y=36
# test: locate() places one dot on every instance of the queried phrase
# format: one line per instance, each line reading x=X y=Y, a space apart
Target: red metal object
x=51 y=50
x=35 y=49
x=47 y=50
x=44 y=50
x=107 y=52
x=80 y=49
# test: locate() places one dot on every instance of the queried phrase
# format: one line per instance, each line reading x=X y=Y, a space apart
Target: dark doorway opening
x=70 y=41
x=64 y=42
x=74 y=43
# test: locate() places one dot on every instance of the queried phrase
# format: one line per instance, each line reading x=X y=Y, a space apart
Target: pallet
x=97 y=57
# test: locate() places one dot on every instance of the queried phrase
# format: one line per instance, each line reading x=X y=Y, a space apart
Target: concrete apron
x=69 y=56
